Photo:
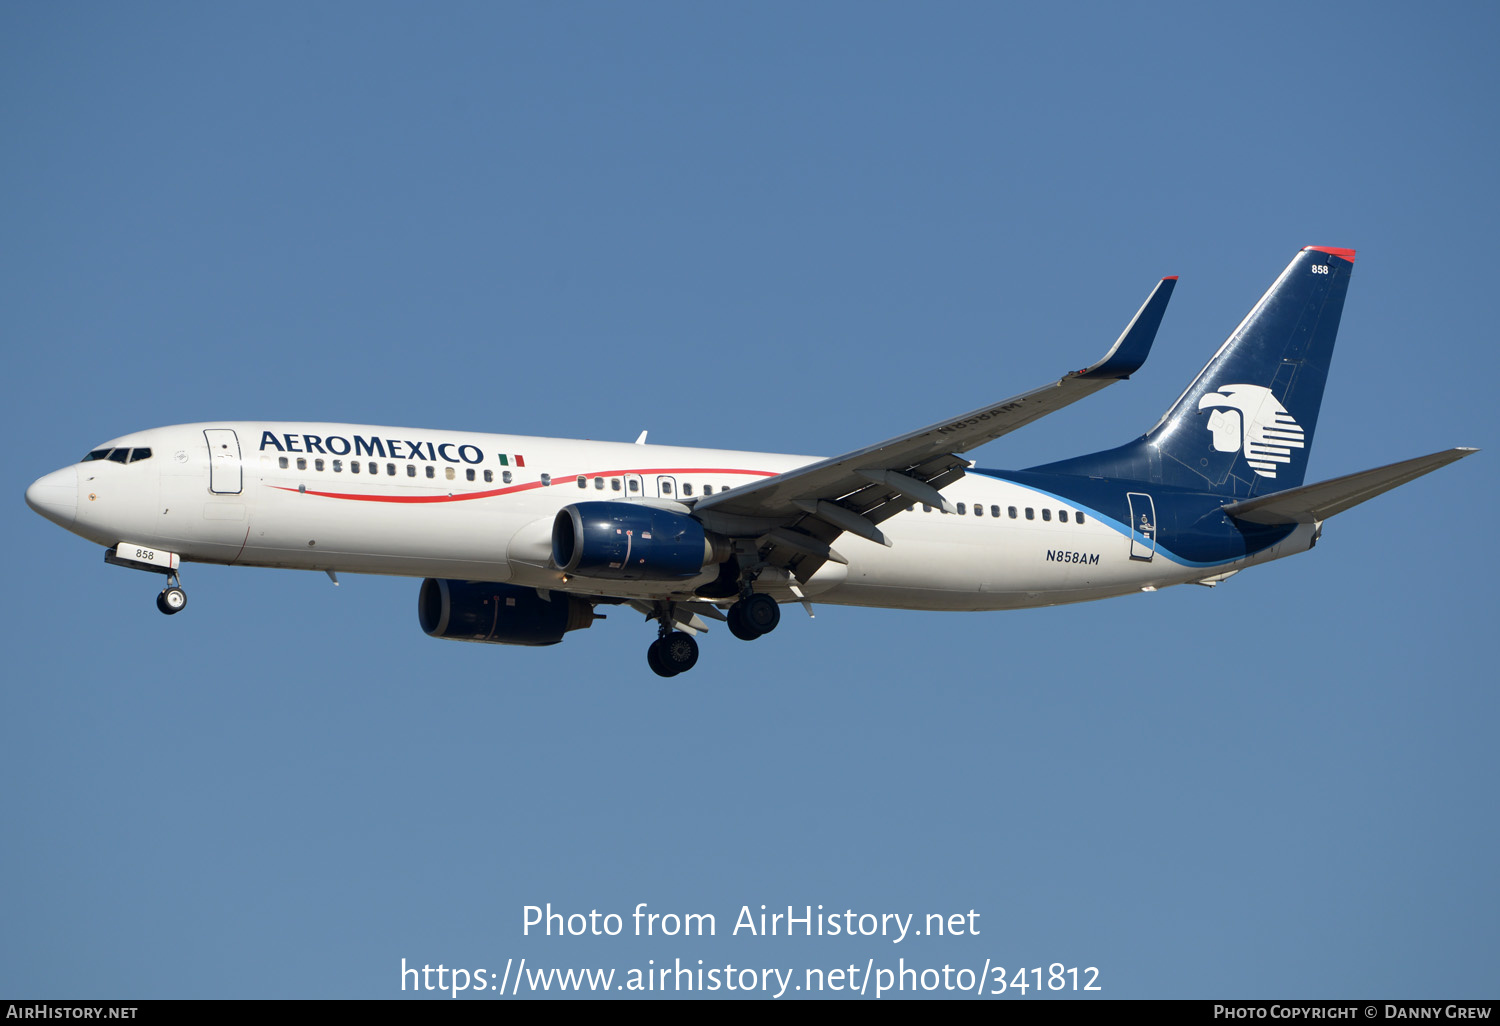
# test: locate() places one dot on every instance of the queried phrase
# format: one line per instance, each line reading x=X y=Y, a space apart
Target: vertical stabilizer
x=1245 y=425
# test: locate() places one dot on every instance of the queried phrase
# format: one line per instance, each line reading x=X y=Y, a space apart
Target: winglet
x=1134 y=344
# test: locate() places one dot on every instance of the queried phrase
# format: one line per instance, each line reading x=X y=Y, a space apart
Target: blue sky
x=795 y=228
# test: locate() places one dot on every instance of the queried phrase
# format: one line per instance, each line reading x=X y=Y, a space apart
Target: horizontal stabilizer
x=1322 y=500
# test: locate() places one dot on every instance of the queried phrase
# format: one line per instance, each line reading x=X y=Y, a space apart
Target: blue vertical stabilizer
x=1244 y=427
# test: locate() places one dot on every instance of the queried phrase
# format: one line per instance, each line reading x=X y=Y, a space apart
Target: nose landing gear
x=157 y=561
x=172 y=598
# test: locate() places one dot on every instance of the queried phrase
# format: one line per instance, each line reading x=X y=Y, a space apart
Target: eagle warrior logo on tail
x=1250 y=417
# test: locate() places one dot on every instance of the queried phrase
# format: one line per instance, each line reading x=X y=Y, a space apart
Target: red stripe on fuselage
x=491 y=492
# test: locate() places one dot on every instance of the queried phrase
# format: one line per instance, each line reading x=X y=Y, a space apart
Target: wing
x=797 y=514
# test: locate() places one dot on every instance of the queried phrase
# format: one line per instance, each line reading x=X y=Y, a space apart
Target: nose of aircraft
x=55 y=496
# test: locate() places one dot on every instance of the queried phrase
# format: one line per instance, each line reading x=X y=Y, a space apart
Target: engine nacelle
x=627 y=541
x=501 y=614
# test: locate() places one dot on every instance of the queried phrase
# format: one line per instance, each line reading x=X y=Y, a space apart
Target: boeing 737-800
x=521 y=539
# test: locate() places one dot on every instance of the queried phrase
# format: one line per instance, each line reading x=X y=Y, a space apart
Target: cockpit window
x=118 y=455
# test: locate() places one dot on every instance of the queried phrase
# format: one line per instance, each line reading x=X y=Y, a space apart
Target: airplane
x=520 y=540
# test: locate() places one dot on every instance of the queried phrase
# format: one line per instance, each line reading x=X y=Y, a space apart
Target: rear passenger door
x=1142 y=526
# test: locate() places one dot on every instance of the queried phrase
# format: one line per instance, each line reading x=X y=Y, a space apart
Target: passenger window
x=1030 y=513
x=489 y=475
x=687 y=489
x=598 y=484
x=390 y=469
x=317 y=464
x=583 y=482
x=301 y=462
x=666 y=487
x=505 y=476
x=1046 y=514
x=546 y=480
x=708 y=489
x=635 y=485
x=354 y=466
x=411 y=470
x=961 y=509
x=372 y=468
x=978 y=510
x=995 y=511
x=1012 y=511
x=1062 y=515
x=431 y=471
x=281 y=461
x=1079 y=517
x=614 y=484
x=338 y=466
x=469 y=473
x=448 y=473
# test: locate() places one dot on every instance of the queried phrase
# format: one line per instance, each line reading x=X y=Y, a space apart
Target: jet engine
x=501 y=614
x=626 y=541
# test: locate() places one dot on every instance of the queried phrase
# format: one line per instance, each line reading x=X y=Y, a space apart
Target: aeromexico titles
x=522 y=539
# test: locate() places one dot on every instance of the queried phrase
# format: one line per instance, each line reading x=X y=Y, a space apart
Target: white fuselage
x=471 y=506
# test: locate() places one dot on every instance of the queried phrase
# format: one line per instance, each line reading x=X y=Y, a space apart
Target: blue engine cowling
x=501 y=614
x=626 y=541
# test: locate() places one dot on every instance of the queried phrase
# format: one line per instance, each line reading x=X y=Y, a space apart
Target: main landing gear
x=676 y=651
x=753 y=616
x=672 y=653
